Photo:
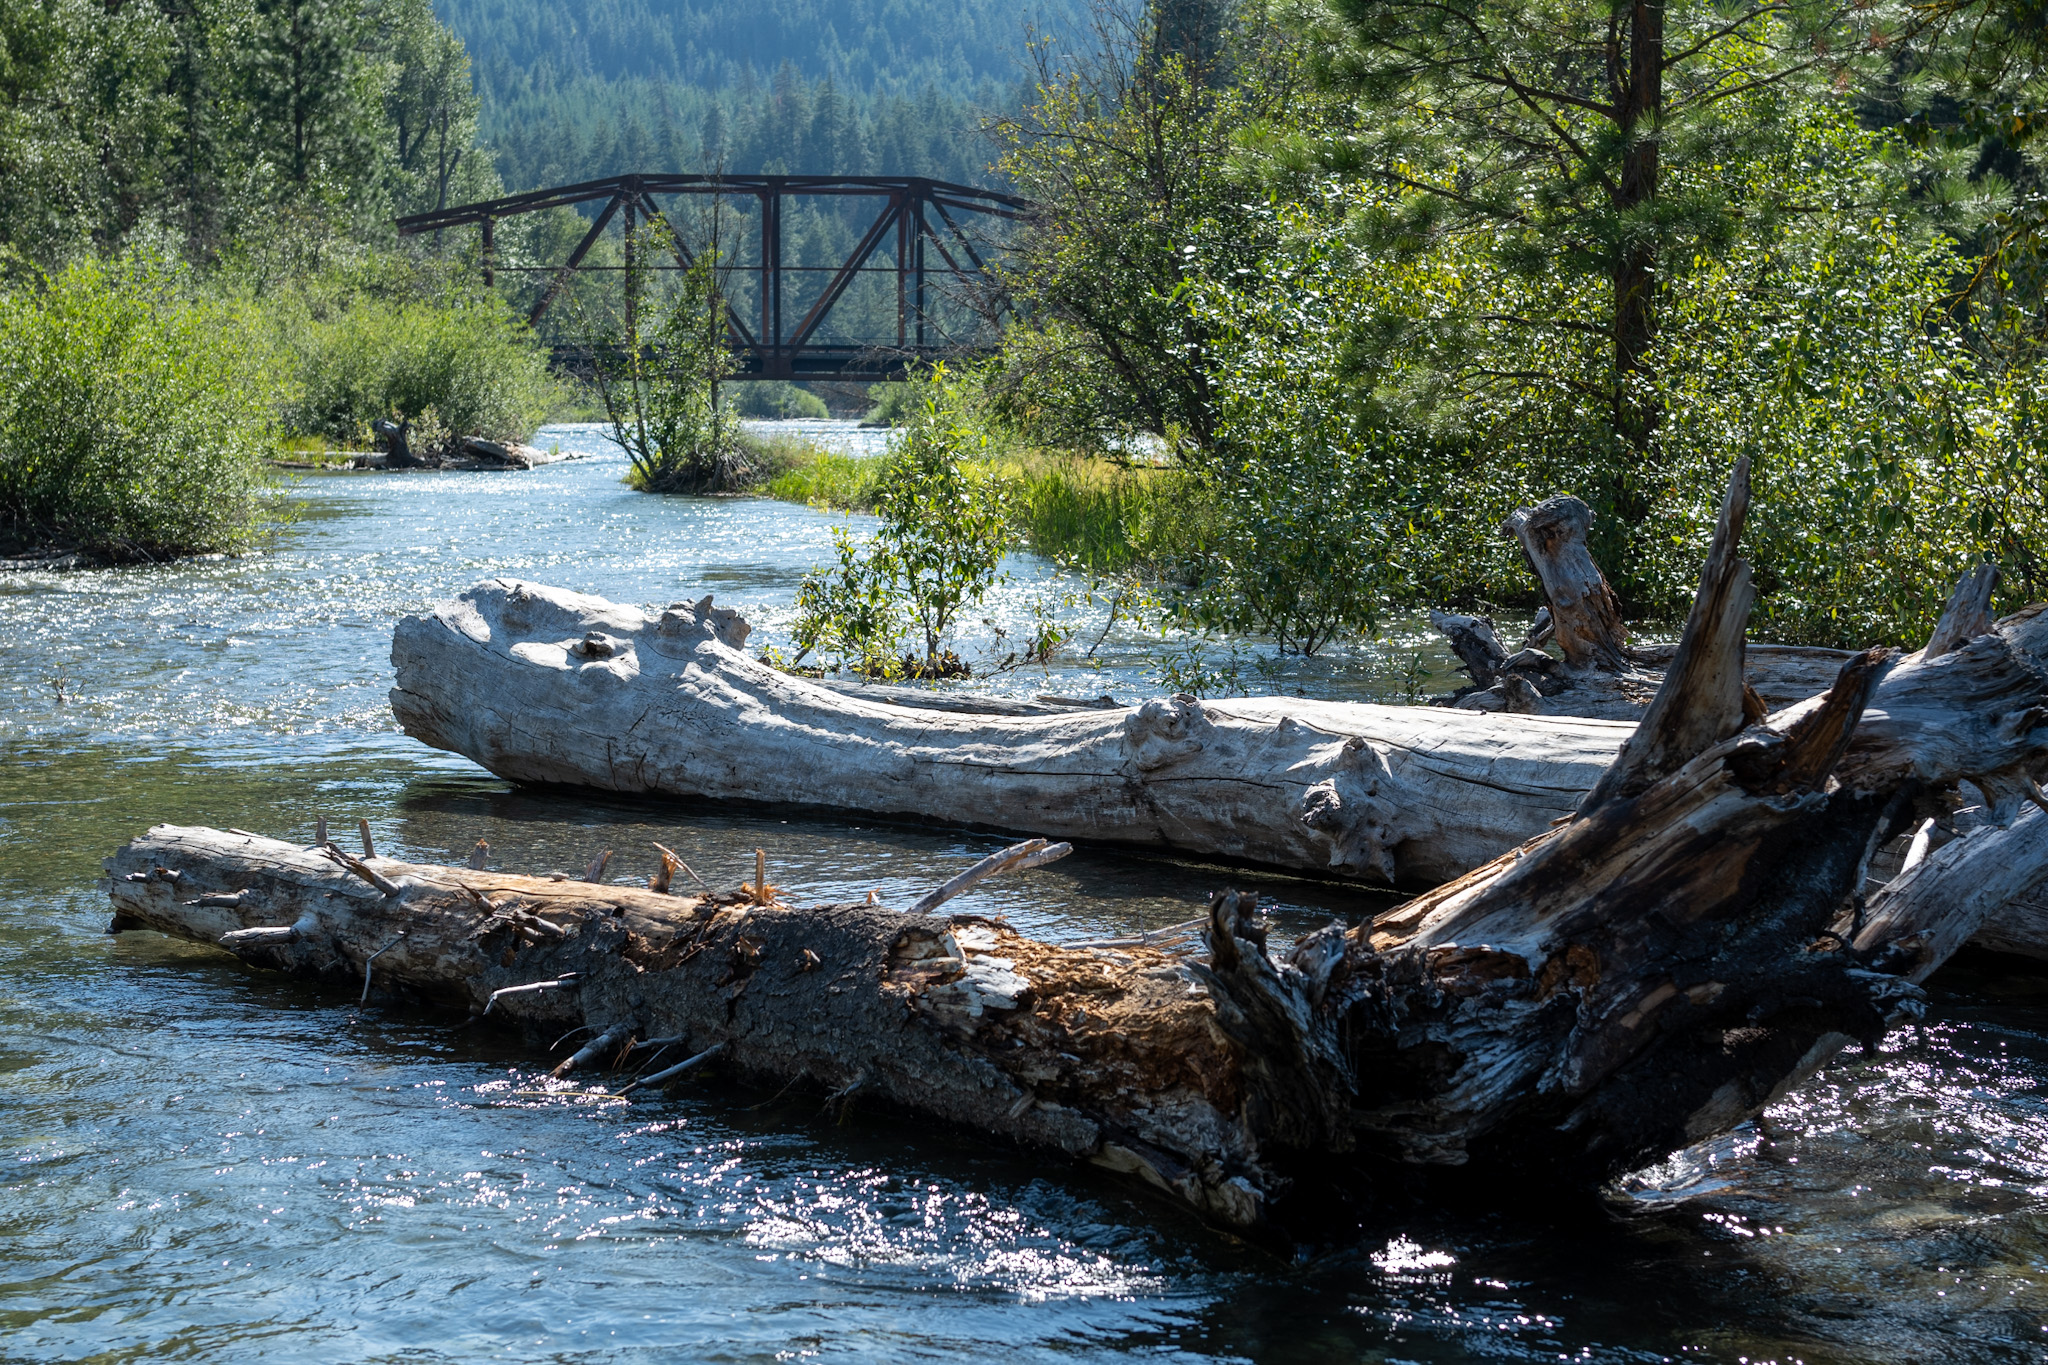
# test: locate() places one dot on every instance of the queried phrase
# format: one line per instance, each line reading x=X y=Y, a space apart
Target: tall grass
x=823 y=478
x=1103 y=515
x=1088 y=512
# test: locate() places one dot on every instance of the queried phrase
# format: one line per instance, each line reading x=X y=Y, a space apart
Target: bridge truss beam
x=918 y=212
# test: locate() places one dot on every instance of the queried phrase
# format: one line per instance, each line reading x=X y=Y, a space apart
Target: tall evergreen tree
x=307 y=84
x=431 y=108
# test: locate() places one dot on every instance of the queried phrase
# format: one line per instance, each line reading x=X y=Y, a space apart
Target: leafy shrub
x=134 y=416
x=776 y=399
x=898 y=404
x=1379 y=415
x=941 y=540
x=659 y=387
x=457 y=365
x=1888 y=458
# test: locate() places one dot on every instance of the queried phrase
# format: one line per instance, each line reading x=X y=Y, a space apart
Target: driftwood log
x=1654 y=970
x=467 y=453
x=541 y=685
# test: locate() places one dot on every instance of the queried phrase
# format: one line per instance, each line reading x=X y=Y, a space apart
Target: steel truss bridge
x=920 y=225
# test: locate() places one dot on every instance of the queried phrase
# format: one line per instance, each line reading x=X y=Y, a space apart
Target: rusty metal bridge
x=919 y=238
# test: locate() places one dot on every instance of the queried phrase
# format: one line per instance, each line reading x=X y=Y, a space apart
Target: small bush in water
x=659 y=385
x=942 y=538
x=134 y=416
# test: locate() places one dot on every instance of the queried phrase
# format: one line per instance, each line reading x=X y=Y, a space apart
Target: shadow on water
x=203 y=1161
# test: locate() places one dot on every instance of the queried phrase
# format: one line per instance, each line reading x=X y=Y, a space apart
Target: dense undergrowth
x=134 y=414
x=140 y=397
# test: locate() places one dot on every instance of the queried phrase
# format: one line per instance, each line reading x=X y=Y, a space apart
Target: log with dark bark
x=1696 y=940
x=1112 y=1055
x=398 y=451
x=1649 y=973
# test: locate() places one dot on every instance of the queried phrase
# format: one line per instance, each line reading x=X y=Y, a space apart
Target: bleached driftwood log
x=1656 y=969
x=541 y=685
x=538 y=684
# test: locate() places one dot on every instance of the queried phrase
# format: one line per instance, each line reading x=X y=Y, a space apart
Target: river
x=207 y=1162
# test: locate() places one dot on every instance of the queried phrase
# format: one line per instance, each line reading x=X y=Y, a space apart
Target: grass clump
x=134 y=414
x=1105 y=515
x=825 y=478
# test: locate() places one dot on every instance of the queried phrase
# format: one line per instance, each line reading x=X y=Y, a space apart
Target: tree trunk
x=1639 y=103
x=1656 y=969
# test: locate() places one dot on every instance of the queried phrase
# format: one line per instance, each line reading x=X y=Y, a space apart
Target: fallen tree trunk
x=1651 y=972
x=541 y=685
x=470 y=454
x=1109 y=1055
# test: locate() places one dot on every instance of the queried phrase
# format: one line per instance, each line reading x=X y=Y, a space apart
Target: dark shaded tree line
x=201 y=118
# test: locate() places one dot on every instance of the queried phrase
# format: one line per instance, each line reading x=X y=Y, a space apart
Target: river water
x=208 y=1162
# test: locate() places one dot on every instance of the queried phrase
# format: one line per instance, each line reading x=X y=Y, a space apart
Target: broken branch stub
x=1585 y=617
x=1968 y=613
x=1016 y=858
x=1701 y=700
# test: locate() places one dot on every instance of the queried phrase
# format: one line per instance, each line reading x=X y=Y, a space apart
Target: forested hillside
x=885 y=87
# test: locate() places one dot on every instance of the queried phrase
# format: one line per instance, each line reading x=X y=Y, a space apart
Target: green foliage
x=943 y=522
x=775 y=399
x=1888 y=456
x=455 y=365
x=206 y=118
x=431 y=109
x=659 y=385
x=134 y=414
x=1107 y=517
x=942 y=536
x=1578 y=144
x=894 y=405
x=1132 y=158
x=852 y=610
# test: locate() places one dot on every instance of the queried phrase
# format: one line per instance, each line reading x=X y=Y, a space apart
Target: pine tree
x=431 y=108
x=306 y=85
x=1553 y=128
